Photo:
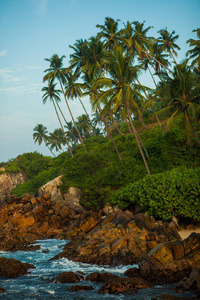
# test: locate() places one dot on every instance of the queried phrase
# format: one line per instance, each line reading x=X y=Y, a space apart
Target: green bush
x=163 y=195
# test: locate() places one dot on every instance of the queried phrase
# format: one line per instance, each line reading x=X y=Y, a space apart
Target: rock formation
x=9 y=181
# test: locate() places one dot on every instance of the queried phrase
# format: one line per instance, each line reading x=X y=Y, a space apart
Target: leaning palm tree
x=182 y=93
x=53 y=94
x=167 y=42
x=56 y=71
x=121 y=90
x=195 y=52
x=84 y=125
x=40 y=135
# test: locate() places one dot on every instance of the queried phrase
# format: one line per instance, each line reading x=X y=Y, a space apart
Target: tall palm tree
x=182 y=92
x=109 y=32
x=93 y=93
x=167 y=42
x=53 y=94
x=57 y=139
x=84 y=125
x=122 y=90
x=73 y=91
x=56 y=71
x=40 y=135
x=195 y=52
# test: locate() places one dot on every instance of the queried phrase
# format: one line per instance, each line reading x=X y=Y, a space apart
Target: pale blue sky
x=31 y=30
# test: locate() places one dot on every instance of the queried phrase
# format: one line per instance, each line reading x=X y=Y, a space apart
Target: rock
x=52 y=187
x=10 y=267
x=72 y=198
x=9 y=181
x=120 y=238
x=2 y=290
x=67 y=277
x=81 y=288
x=100 y=277
x=132 y=272
x=189 y=283
x=123 y=285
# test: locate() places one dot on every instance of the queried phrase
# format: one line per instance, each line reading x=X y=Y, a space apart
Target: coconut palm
x=195 y=52
x=73 y=91
x=93 y=93
x=84 y=125
x=109 y=32
x=56 y=71
x=41 y=135
x=167 y=42
x=53 y=94
x=57 y=139
x=121 y=89
x=182 y=92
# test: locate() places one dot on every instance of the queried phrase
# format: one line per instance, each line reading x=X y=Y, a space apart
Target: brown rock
x=67 y=277
x=81 y=288
x=10 y=267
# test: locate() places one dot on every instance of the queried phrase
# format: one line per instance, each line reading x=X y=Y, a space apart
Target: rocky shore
x=110 y=237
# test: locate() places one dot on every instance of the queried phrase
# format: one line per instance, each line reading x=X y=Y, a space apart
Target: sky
x=32 y=30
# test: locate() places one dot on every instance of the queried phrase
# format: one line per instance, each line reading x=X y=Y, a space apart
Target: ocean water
x=37 y=285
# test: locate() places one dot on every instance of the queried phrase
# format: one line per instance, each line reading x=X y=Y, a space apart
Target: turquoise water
x=37 y=285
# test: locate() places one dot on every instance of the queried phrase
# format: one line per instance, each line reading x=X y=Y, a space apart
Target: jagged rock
x=72 y=198
x=9 y=181
x=52 y=187
x=118 y=238
x=10 y=267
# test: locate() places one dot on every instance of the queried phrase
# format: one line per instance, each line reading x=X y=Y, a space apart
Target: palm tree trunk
x=65 y=119
x=62 y=129
x=81 y=140
x=156 y=60
x=193 y=130
x=147 y=97
x=172 y=56
x=108 y=131
x=87 y=115
x=115 y=124
x=137 y=140
x=50 y=150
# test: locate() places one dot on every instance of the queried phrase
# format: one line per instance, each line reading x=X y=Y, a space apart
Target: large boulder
x=10 y=267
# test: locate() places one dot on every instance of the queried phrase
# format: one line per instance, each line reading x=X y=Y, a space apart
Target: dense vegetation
x=118 y=155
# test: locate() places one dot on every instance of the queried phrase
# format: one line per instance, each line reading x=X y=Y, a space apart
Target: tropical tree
x=109 y=32
x=167 y=42
x=53 y=94
x=195 y=52
x=181 y=91
x=121 y=89
x=56 y=71
x=73 y=91
x=56 y=140
x=84 y=125
x=41 y=135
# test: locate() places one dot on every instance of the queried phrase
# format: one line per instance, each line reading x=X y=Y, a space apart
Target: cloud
x=34 y=88
x=33 y=68
x=3 y=52
x=7 y=75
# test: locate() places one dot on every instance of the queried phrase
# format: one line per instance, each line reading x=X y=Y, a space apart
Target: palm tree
x=57 y=139
x=109 y=32
x=56 y=71
x=167 y=42
x=93 y=93
x=40 y=135
x=195 y=52
x=84 y=125
x=53 y=94
x=71 y=133
x=182 y=92
x=122 y=90
x=73 y=90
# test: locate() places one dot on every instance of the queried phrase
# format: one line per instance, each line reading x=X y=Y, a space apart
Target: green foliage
x=163 y=195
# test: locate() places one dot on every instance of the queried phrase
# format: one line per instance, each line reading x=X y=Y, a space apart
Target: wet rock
x=100 y=277
x=10 y=267
x=81 y=288
x=2 y=290
x=67 y=277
